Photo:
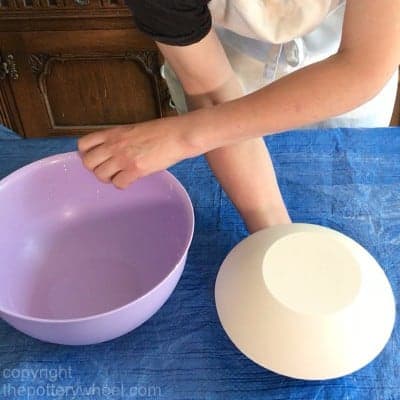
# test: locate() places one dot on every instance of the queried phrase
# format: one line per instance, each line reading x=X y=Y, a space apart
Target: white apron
x=268 y=39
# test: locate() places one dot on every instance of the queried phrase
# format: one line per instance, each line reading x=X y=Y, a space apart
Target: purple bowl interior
x=72 y=247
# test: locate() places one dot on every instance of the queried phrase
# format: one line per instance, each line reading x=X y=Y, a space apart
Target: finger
x=96 y=156
x=107 y=170
x=124 y=178
x=91 y=140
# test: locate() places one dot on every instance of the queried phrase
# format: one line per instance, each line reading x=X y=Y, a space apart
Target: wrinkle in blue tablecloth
x=345 y=179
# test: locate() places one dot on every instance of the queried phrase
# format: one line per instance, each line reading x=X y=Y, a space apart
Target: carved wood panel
x=99 y=90
x=73 y=82
x=9 y=111
x=6 y=107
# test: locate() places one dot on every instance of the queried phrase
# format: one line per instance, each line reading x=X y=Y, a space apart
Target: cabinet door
x=72 y=82
x=396 y=114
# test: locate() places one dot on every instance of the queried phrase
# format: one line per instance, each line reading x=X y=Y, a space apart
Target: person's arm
x=368 y=56
x=125 y=153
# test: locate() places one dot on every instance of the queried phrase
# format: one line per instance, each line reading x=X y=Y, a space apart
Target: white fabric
x=268 y=39
x=273 y=21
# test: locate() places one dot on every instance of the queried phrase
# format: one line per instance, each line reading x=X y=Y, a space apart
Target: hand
x=125 y=153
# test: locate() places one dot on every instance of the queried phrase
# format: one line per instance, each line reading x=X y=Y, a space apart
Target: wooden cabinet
x=72 y=67
x=396 y=114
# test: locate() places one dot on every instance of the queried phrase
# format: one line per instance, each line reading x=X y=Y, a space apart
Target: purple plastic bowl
x=83 y=262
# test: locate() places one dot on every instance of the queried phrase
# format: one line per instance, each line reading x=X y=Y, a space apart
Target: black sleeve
x=174 y=22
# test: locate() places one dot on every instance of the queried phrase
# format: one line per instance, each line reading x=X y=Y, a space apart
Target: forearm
x=315 y=93
x=258 y=200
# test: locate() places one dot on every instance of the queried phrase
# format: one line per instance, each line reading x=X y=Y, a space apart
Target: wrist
x=197 y=131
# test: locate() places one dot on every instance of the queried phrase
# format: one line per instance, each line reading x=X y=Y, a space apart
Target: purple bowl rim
x=169 y=175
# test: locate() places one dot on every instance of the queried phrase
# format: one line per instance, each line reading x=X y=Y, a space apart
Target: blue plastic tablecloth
x=348 y=180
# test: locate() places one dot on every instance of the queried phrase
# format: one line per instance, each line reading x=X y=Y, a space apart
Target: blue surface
x=345 y=179
x=7 y=134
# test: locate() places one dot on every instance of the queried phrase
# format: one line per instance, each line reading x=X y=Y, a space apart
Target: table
x=346 y=179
